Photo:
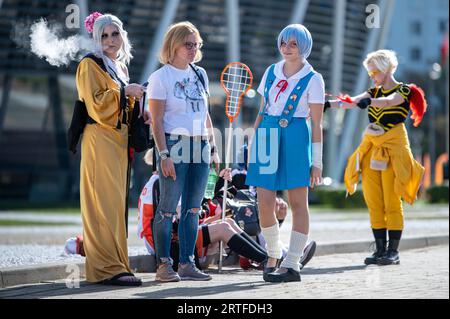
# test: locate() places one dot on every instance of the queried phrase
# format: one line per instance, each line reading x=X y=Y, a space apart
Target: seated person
x=211 y=228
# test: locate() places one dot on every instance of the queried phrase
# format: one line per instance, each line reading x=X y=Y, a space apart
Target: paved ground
x=28 y=245
x=423 y=273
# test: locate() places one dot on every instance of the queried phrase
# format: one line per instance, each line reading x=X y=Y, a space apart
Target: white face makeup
x=111 y=41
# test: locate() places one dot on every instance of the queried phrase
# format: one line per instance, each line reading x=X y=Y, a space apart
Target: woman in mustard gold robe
x=102 y=83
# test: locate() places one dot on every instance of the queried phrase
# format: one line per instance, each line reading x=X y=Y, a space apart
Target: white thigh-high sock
x=272 y=236
x=296 y=246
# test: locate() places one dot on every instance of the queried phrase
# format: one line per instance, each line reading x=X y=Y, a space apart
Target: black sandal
x=114 y=281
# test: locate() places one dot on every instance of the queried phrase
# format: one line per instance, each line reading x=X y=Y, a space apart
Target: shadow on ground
x=253 y=281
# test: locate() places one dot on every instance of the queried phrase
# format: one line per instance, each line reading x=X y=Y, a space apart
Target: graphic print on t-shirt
x=190 y=92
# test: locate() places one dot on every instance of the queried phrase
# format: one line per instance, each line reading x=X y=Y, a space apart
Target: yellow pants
x=385 y=207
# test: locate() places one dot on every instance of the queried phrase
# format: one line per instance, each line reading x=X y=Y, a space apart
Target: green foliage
x=336 y=198
x=437 y=194
x=69 y=207
x=6 y=223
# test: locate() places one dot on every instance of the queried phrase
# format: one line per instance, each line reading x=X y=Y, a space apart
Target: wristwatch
x=164 y=154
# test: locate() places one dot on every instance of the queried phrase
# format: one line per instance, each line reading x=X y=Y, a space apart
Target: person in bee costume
x=384 y=159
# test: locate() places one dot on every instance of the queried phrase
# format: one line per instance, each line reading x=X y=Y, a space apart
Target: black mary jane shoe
x=268 y=270
x=288 y=276
x=115 y=281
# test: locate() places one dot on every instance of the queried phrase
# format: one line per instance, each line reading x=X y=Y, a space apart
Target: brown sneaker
x=190 y=272
x=166 y=273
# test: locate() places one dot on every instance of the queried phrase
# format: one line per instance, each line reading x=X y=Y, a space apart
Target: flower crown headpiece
x=89 y=21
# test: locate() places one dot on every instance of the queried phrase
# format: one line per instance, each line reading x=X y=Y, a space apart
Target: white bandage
x=272 y=236
x=317 y=155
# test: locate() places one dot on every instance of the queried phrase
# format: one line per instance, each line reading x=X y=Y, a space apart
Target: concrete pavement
x=343 y=233
x=423 y=273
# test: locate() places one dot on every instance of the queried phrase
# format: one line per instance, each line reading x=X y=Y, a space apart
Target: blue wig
x=300 y=34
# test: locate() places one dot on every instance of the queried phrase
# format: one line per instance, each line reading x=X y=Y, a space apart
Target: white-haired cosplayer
x=102 y=84
x=286 y=151
x=123 y=55
x=383 y=159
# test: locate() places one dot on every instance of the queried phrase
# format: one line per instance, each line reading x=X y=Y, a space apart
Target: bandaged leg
x=272 y=236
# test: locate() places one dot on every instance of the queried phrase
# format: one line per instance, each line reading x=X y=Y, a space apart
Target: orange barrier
x=439 y=169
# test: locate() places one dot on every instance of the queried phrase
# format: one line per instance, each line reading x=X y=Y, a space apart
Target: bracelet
x=164 y=151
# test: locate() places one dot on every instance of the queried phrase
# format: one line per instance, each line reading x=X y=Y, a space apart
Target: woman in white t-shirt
x=280 y=156
x=183 y=133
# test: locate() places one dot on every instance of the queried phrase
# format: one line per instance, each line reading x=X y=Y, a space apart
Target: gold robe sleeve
x=99 y=92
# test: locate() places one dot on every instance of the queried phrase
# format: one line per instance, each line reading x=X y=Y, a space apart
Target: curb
x=147 y=263
x=363 y=246
x=56 y=271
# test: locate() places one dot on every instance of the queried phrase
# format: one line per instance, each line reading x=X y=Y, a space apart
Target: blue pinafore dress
x=280 y=156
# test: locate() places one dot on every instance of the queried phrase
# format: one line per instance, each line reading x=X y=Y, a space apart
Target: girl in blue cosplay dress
x=286 y=150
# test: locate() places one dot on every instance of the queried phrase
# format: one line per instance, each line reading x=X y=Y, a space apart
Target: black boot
x=391 y=257
x=380 y=244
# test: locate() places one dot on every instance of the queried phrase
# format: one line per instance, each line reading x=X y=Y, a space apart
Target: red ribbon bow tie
x=282 y=84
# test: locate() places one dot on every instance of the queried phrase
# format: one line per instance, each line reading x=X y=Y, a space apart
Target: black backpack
x=80 y=115
x=77 y=124
x=245 y=211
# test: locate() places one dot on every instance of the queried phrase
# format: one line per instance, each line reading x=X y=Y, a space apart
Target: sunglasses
x=373 y=73
x=191 y=45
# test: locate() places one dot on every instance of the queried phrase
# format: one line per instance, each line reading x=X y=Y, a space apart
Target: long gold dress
x=103 y=174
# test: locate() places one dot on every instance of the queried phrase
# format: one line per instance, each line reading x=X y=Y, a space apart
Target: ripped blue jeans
x=192 y=175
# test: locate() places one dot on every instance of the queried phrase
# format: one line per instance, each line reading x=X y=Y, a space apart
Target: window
x=416 y=27
x=443 y=26
x=415 y=54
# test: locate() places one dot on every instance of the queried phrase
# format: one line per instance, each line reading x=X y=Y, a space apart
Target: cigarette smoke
x=45 y=42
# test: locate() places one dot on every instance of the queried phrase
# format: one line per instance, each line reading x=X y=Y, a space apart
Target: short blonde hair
x=384 y=60
x=174 y=38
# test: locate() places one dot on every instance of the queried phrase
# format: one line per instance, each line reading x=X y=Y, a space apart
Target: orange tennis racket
x=236 y=79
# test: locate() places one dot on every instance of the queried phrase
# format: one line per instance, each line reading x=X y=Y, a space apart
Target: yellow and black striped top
x=387 y=117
